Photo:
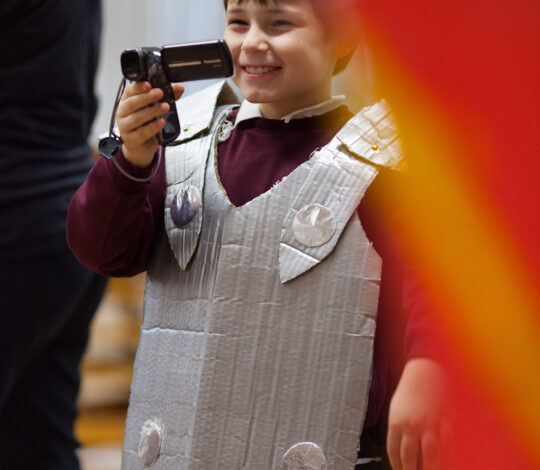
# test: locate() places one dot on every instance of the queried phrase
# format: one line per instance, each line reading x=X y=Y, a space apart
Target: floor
x=101 y=457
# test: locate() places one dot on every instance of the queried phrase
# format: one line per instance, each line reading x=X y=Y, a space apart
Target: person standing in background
x=48 y=60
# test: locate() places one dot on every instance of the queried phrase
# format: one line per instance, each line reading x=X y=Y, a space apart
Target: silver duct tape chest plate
x=240 y=366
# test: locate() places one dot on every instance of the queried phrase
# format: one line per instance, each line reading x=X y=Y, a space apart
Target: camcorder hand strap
x=109 y=146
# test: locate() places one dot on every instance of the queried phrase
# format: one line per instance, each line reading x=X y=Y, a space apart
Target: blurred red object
x=463 y=78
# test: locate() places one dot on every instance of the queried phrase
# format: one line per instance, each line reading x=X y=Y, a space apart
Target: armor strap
x=372 y=136
x=342 y=171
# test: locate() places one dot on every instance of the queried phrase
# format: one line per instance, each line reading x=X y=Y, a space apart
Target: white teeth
x=259 y=70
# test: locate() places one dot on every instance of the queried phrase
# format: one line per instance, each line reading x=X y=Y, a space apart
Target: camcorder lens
x=131 y=61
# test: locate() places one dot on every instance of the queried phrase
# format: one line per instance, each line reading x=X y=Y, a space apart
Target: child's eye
x=237 y=22
x=281 y=23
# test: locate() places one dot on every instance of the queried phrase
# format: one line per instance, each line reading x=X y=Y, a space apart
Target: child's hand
x=135 y=116
x=418 y=424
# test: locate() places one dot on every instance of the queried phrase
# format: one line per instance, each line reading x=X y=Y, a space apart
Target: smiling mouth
x=258 y=70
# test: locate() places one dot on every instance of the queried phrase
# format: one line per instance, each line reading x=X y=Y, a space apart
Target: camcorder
x=176 y=63
x=162 y=66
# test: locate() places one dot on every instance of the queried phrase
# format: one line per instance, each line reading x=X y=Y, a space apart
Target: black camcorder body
x=176 y=63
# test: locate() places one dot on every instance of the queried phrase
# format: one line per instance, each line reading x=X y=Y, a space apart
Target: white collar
x=251 y=110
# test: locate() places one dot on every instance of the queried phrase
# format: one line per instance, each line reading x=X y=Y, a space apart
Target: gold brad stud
x=186 y=128
x=375 y=147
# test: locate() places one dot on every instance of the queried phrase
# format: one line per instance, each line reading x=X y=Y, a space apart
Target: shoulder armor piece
x=372 y=136
x=342 y=171
x=196 y=111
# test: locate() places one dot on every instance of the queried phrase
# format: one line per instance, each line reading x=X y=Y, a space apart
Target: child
x=257 y=340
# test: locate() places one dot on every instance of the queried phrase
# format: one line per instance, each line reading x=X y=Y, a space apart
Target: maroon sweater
x=113 y=221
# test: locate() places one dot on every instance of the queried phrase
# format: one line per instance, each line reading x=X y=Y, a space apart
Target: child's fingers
x=409 y=451
x=142 y=134
x=431 y=450
x=135 y=102
x=136 y=88
x=393 y=448
x=178 y=90
x=141 y=117
x=139 y=121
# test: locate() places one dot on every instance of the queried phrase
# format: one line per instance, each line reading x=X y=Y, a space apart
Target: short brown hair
x=341 y=63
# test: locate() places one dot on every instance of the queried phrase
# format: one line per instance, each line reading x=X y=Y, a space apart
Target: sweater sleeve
x=406 y=299
x=406 y=323
x=112 y=220
x=423 y=335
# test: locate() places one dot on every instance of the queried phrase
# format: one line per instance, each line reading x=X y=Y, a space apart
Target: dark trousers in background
x=46 y=305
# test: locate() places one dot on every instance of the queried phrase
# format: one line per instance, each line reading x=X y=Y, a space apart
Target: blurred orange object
x=463 y=79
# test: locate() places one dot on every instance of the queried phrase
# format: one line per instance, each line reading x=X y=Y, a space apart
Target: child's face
x=282 y=54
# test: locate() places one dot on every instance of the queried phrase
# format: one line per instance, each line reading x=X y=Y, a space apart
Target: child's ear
x=343 y=26
x=345 y=45
x=345 y=33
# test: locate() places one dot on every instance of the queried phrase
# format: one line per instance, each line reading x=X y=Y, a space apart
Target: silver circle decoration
x=304 y=456
x=314 y=225
x=225 y=131
x=185 y=206
x=149 y=443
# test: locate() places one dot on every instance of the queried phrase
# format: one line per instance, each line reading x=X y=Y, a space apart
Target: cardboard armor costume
x=256 y=344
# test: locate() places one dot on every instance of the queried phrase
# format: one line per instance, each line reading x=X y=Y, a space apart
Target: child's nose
x=255 y=40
